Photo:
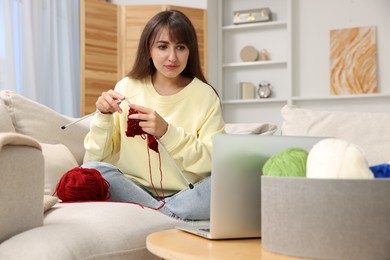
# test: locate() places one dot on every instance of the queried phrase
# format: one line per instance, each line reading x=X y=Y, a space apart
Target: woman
x=176 y=109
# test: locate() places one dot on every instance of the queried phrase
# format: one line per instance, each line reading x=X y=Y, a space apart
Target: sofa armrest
x=21 y=184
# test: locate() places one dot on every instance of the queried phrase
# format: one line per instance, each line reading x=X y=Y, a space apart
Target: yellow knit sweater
x=193 y=115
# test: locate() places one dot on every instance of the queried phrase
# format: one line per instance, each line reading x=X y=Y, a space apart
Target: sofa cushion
x=58 y=161
x=90 y=230
x=5 y=119
x=251 y=128
x=368 y=130
x=44 y=124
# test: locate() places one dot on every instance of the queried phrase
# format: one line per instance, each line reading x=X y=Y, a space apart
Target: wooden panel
x=135 y=20
x=99 y=50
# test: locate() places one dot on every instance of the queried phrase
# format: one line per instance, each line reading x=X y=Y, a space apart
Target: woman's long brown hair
x=180 y=30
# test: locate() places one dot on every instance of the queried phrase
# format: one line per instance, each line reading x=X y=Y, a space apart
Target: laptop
x=237 y=162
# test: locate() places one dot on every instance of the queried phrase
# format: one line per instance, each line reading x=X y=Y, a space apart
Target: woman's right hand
x=109 y=101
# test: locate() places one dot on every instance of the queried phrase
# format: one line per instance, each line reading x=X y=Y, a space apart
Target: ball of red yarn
x=83 y=184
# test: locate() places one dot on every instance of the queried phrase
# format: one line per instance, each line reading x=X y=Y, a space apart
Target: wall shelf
x=252 y=101
x=342 y=97
x=255 y=25
x=273 y=36
x=253 y=63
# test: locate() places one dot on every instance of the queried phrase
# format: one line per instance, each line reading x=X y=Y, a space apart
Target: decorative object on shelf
x=264 y=55
x=249 y=53
x=247 y=90
x=353 y=64
x=264 y=90
x=252 y=16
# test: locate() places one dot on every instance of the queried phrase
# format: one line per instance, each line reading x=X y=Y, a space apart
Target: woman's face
x=169 y=58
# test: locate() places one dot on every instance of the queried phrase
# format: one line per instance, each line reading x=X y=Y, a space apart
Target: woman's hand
x=151 y=122
x=109 y=101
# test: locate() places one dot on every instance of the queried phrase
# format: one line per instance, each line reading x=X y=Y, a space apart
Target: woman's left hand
x=150 y=121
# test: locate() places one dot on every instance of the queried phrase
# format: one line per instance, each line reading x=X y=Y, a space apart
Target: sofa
x=34 y=153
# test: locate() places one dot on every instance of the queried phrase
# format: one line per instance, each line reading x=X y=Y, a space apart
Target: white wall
x=313 y=20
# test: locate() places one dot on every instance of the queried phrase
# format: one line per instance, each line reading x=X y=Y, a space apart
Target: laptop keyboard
x=205 y=229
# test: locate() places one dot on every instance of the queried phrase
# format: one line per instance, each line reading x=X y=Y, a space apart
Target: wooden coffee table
x=175 y=244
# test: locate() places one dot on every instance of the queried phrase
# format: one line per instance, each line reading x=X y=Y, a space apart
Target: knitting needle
x=75 y=122
x=190 y=185
x=89 y=115
x=127 y=100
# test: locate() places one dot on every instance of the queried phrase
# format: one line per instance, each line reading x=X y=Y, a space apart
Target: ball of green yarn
x=288 y=163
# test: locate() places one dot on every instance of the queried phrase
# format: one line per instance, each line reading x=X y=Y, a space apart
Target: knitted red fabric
x=83 y=184
x=134 y=129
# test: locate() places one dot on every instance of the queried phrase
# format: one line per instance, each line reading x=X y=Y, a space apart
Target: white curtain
x=39 y=52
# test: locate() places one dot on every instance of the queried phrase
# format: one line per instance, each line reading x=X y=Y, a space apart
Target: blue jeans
x=187 y=204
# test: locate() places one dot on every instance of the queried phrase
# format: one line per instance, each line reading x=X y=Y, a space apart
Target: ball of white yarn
x=336 y=158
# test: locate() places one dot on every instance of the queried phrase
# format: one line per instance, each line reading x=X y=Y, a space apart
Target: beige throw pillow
x=49 y=202
x=5 y=119
x=368 y=130
x=58 y=161
x=44 y=124
x=251 y=128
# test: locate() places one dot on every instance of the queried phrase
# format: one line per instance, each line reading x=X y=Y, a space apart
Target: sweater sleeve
x=103 y=140
x=193 y=151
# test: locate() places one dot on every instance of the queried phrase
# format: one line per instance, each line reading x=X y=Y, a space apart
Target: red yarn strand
x=151 y=178
x=134 y=129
